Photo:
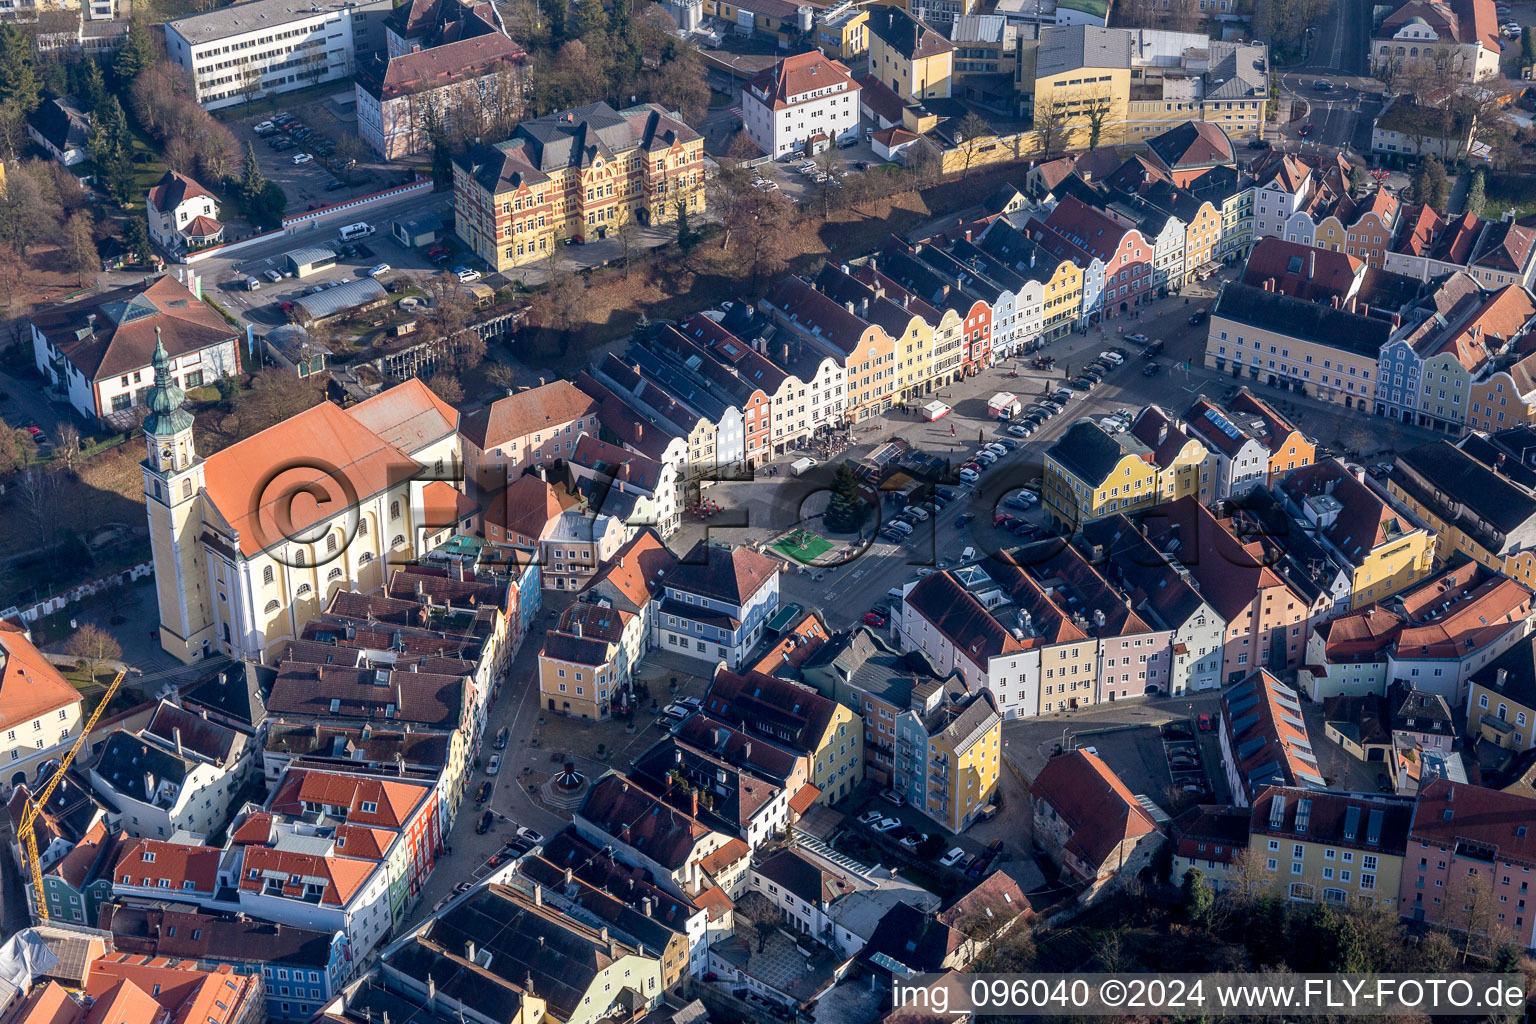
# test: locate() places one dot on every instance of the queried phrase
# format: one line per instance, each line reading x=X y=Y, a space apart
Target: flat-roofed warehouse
x=349 y=297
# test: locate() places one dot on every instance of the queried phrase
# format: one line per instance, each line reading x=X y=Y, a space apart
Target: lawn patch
x=803 y=546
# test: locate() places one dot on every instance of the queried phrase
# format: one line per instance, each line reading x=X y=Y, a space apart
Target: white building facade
x=801 y=104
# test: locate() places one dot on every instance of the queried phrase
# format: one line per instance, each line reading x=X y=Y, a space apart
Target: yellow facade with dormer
x=1063 y=300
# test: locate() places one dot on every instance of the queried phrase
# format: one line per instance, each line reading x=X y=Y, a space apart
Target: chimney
x=431 y=992
x=693 y=803
x=538 y=894
x=1365 y=310
x=567 y=876
x=746 y=751
x=639 y=431
x=1499 y=677
x=1312 y=265
x=645 y=906
x=176 y=732
x=576 y=629
x=1335 y=302
x=469 y=951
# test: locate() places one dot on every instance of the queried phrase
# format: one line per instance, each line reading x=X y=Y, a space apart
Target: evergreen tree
x=138 y=53
x=1437 y=186
x=19 y=85
x=686 y=239
x=557 y=13
x=136 y=238
x=1356 y=179
x=587 y=17
x=111 y=147
x=90 y=86
x=268 y=207
x=847 y=510
x=1198 y=896
x=251 y=181
x=1477 y=197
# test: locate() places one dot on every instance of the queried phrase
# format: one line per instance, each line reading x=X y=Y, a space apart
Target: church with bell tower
x=253 y=541
x=173 y=485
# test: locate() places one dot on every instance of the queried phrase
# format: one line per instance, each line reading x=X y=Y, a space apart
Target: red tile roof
x=1302 y=271
x=340 y=878
x=394 y=802
x=1449 y=814
x=251 y=489
x=961 y=618
x=535 y=410
x=1266 y=732
x=1417 y=229
x=171 y=863
x=792 y=77
x=173 y=189
x=409 y=415
x=1096 y=806
x=29 y=684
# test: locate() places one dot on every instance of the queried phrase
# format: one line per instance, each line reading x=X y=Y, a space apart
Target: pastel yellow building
x=842 y=31
x=1135 y=84
x=1340 y=850
x=1063 y=297
x=793 y=716
x=948 y=748
x=1094 y=472
x=1501 y=700
x=908 y=56
x=1475 y=510
x=1384 y=547
x=572 y=176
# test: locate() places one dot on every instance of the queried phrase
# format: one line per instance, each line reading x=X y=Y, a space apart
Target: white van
x=967 y=554
x=352 y=232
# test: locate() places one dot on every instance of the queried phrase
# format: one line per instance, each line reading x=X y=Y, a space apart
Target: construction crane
x=36 y=804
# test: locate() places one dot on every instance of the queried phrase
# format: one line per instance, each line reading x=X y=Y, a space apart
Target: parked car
x=1205 y=723
x=1197 y=318
x=485 y=792
x=501 y=738
x=1154 y=350
x=1137 y=339
x=970 y=476
x=264 y=128
x=487 y=819
x=1021 y=430
x=467 y=275
x=1152 y=369
x=693 y=703
x=887 y=825
x=272 y=275
x=964 y=519
x=870 y=818
x=674 y=711
x=892 y=797
x=953 y=857
x=533 y=836
x=379 y=271
x=874 y=619
x=302 y=158
x=494 y=766
x=1112 y=357
x=914 y=840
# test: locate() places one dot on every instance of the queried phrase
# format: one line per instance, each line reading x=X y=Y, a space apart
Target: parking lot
x=801 y=187
x=354 y=260
x=316 y=132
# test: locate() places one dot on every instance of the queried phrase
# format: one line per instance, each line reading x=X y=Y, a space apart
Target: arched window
x=304 y=588
x=334 y=574
x=271 y=607
x=399 y=540
x=394 y=510
x=367 y=556
x=267 y=575
x=330 y=544
x=298 y=558
x=362 y=528
x=186 y=488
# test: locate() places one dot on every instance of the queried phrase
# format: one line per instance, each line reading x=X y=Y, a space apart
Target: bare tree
x=1051 y=126
x=628 y=233
x=93 y=646
x=37 y=492
x=66 y=450
x=972 y=128
x=250 y=82
x=1096 y=113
